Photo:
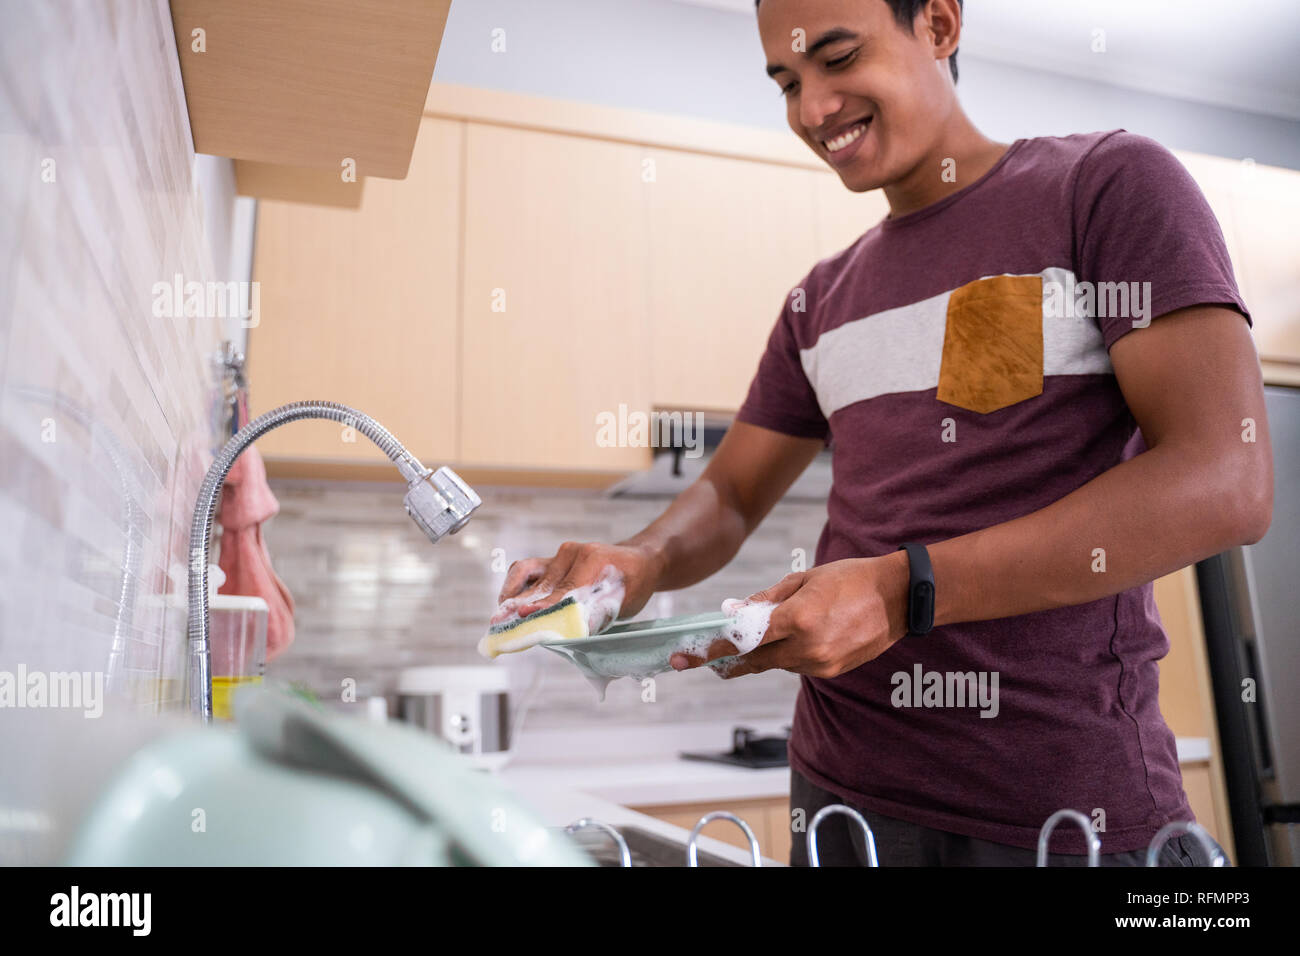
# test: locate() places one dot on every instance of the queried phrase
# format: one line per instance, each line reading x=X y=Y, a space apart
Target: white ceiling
x=1241 y=54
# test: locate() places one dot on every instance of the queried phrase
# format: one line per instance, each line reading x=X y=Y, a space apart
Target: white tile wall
x=107 y=413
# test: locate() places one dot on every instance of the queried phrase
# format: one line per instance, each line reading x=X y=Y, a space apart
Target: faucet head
x=440 y=502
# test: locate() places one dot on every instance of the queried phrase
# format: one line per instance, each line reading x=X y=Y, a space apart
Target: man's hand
x=827 y=621
x=535 y=583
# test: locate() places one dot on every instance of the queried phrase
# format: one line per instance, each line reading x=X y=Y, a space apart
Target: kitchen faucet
x=439 y=501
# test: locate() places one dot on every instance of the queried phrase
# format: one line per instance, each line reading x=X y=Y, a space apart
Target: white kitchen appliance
x=468 y=707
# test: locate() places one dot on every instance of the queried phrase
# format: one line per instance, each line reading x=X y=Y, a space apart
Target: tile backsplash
x=373 y=596
x=107 y=412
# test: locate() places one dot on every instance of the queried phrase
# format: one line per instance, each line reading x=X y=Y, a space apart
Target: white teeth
x=839 y=142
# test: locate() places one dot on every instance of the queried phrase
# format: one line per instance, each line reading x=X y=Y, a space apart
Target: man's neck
x=961 y=156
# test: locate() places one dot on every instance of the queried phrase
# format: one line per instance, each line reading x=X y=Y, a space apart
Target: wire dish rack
x=633 y=846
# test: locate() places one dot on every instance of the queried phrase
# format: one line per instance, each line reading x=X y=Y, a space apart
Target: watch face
x=921 y=614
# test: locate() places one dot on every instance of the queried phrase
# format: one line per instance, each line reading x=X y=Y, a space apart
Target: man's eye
x=789 y=87
x=840 y=61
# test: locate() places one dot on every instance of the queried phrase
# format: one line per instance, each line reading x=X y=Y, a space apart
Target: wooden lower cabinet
x=1198 y=784
x=1187 y=703
x=768 y=817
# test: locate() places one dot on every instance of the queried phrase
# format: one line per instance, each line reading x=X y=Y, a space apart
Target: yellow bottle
x=223 y=688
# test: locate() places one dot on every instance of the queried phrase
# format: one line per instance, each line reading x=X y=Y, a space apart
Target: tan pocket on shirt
x=993 y=344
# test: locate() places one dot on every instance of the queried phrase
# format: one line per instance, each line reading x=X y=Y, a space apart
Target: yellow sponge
x=562 y=621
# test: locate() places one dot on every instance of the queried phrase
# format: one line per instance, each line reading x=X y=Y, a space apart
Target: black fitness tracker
x=920 y=590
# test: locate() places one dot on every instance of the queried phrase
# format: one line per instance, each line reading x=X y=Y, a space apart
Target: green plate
x=638 y=649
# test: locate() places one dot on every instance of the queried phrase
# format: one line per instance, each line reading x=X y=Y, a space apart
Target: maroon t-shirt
x=957 y=360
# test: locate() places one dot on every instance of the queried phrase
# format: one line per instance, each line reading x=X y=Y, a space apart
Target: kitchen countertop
x=657 y=782
x=640 y=766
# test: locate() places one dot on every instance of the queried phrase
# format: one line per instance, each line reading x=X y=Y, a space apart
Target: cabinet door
x=767 y=817
x=729 y=238
x=553 y=322
x=841 y=216
x=359 y=306
x=1185 y=692
x=1266 y=206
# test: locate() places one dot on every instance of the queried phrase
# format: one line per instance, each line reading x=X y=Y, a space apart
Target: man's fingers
x=780 y=655
x=719 y=648
x=766 y=657
x=557 y=570
x=520 y=575
x=772 y=637
x=552 y=588
x=740 y=668
x=782 y=590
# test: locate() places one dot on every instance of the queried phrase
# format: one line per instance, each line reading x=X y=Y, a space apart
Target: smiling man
x=1019 y=450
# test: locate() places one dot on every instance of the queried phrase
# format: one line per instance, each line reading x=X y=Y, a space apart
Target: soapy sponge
x=565 y=620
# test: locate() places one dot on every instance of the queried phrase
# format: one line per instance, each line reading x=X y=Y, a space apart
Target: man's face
x=868 y=96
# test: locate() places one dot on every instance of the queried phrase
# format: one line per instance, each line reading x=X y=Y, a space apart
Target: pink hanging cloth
x=246 y=502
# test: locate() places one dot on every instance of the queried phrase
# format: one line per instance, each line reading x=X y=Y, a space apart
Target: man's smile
x=841 y=143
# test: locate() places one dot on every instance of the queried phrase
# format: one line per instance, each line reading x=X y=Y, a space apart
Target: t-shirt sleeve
x=780 y=396
x=1141 y=218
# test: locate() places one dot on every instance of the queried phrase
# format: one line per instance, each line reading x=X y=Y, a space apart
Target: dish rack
x=1044 y=834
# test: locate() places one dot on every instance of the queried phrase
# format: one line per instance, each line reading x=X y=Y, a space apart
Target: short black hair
x=905 y=12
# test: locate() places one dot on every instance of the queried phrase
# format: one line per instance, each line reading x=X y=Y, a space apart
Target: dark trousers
x=840 y=841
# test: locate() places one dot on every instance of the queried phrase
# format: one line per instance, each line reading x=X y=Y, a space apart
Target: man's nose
x=818 y=100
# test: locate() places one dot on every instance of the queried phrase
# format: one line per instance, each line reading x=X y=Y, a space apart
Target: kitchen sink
x=646 y=848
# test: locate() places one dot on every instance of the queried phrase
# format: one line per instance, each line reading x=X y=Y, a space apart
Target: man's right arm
x=697 y=535
x=707 y=523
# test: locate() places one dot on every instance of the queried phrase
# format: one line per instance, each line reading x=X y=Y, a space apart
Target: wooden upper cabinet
x=309 y=83
x=842 y=216
x=1266 y=205
x=1257 y=207
x=359 y=306
x=553 y=321
x=728 y=240
x=538 y=270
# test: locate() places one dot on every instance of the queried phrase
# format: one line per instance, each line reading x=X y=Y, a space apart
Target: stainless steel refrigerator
x=1250 y=600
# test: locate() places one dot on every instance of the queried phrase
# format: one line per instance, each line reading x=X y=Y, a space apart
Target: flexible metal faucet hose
x=200 y=671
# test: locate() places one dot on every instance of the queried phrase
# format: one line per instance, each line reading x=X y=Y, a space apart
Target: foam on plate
x=745 y=630
x=750 y=620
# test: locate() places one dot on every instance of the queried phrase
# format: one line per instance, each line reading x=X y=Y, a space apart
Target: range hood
x=680 y=459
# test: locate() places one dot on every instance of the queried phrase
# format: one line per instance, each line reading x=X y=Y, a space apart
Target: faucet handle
x=440 y=502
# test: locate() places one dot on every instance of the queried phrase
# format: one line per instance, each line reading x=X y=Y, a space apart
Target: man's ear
x=940 y=20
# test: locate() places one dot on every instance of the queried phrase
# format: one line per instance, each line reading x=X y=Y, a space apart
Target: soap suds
x=600 y=601
x=749 y=621
x=749 y=624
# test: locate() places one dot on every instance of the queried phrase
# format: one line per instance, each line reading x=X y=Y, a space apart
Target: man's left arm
x=1205 y=484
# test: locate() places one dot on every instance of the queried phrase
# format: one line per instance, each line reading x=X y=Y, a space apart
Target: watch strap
x=920 y=589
